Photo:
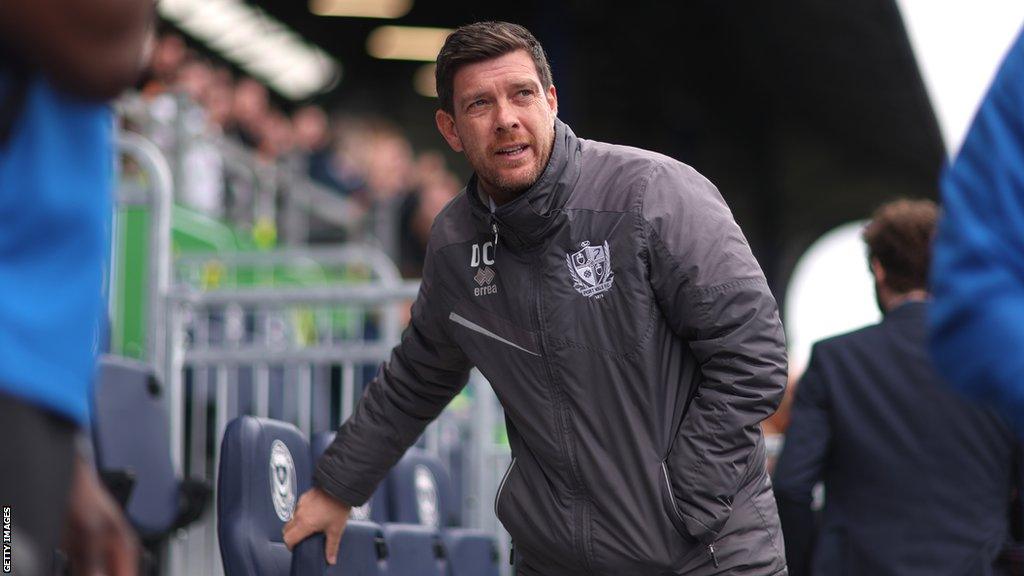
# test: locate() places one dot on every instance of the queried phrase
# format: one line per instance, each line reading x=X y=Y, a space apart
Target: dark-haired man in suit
x=917 y=480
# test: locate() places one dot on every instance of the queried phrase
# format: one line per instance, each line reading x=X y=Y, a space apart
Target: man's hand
x=97 y=538
x=318 y=511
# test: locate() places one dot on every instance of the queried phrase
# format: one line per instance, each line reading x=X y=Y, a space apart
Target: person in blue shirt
x=60 y=62
x=977 y=320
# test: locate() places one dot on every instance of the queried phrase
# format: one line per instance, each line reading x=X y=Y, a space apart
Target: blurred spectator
x=917 y=480
x=344 y=170
x=219 y=100
x=60 y=62
x=168 y=56
x=194 y=80
x=249 y=109
x=276 y=136
x=978 y=317
x=389 y=163
x=311 y=130
x=435 y=188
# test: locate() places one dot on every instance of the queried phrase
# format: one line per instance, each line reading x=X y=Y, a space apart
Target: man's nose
x=507 y=119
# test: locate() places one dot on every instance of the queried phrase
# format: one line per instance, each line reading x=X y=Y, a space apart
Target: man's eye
x=477 y=103
x=525 y=92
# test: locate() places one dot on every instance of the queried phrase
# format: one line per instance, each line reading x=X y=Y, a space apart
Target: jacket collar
x=910 y=310
x=526 y=221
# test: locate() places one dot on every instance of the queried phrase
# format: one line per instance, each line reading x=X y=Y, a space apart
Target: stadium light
x=258 y=43
x=361 y=8
x=958 y=46
x=406 y=43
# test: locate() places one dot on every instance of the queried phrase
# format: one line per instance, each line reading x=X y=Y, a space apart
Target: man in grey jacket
x=614 y=305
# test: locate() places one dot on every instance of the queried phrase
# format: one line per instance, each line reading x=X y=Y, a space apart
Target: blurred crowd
x=366 y=159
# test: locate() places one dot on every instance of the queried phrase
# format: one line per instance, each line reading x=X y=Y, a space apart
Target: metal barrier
x=158 y=198
x=232 y=352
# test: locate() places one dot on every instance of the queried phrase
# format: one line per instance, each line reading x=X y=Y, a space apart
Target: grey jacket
x=628 y=331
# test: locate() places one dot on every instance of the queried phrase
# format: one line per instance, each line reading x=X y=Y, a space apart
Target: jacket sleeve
x=714 y=295
x=425 y=372
x=801 y=464
x=978 y=263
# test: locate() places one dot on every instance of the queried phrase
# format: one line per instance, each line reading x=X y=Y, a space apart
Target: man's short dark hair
x=483 y=41
x=900 y=237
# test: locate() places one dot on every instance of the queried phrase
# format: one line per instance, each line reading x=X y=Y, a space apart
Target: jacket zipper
x=563 y=422
x=679 y=515
x=501 y=486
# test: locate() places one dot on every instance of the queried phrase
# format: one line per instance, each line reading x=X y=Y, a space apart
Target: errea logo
x=483 y=254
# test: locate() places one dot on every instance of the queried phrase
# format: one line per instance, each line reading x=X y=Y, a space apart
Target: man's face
x=503 y=122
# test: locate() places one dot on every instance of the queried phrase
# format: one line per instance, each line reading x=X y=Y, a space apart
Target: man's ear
x=446 y=126
x=552 y=97
x=878 y=271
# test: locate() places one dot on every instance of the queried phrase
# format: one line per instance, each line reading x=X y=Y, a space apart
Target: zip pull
x=711 y=552
x=494 y=227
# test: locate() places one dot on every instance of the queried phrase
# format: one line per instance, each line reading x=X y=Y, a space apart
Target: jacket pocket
x=501 y=486
x=668 y=499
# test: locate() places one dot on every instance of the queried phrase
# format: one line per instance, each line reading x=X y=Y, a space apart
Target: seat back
x=414 y=550
x=420 y=491
x=376 y=508
x=471 y=552
x=363 y=552
x=264 y=468
x=131 y=433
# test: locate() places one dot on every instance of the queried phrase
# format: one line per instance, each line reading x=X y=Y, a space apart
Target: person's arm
x=92 y=49
x=978 y=265
x=801 y=466
x=425 y=372
x=714 y=295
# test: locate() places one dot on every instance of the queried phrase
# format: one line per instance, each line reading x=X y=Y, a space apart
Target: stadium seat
x=420 y=491
x=363 y=552
x=471 y=552
x=377 y=508
x=131 y=435
x=264 y=468
x=421 y=494
x=414 y=550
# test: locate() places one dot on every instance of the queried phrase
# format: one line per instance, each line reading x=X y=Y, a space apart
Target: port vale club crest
x=591 y=269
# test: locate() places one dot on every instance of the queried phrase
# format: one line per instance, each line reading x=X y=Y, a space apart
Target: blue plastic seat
x=420 y=491
x=131 y=435
x=415 y=550
x=377 y=508
x=421 y=494
x=264 y=468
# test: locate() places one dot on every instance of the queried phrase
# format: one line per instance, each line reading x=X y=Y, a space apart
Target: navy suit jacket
x=917 y=480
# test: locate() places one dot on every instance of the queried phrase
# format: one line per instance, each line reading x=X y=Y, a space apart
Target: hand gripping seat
x=363 y=552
